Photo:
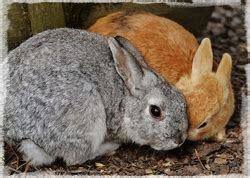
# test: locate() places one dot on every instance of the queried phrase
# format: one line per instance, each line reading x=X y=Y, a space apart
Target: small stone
x=186 y=160
x=217 y=29
x=230 y=33
x=236 y=22
x=148 y=171
x=166 y=171
x=232 y=49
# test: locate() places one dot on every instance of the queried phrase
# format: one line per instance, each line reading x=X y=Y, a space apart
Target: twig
x=12 y=169
x=14 y=162
x=23 y=165
x=17 y=157
x=197 y=155
x=26 y=168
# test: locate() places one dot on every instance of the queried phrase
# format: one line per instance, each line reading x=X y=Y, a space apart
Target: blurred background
x=29 y=19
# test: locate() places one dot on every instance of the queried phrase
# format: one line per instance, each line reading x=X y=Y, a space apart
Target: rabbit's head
x=155 y=112
x=209 y=95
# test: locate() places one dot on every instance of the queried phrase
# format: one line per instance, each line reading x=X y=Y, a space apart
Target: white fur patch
x=34 y=154
x=98 y=133
x=99 y=129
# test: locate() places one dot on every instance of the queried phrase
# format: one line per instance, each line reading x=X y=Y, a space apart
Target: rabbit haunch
x=77 y=95
x=175 y=54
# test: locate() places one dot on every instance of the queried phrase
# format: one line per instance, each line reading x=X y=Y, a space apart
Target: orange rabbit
x=174 y=53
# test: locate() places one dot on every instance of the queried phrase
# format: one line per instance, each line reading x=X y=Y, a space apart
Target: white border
x=3 y=52
x=246 y=99
x=169 y=2
x=245 y=111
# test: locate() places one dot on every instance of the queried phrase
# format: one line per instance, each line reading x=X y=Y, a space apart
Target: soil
x=227 y=32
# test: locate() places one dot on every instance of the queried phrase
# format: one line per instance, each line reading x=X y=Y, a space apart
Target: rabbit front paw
x=220 y=136
x=34 y=154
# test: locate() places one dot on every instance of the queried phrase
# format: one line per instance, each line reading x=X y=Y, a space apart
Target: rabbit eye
x=202 y=125
x=155 y=111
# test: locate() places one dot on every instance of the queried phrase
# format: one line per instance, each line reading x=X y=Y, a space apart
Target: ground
x=227 y=32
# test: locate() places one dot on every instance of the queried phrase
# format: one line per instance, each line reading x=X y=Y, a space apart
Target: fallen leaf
x=154 y=167
x=207 y=167
x=167 y=164
x=206 y=149
x=220 y=161
x=167 y=171
x=225 y=156
x=99 y=165
x=148 y=171
x=224 y=169
x=193 y=170
x=139 y=171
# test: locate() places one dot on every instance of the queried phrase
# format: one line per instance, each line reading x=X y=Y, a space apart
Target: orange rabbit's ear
x=224 y=70
x=203 y=59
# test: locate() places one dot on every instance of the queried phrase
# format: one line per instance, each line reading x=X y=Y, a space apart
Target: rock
x=217 y=29
x=235 y=22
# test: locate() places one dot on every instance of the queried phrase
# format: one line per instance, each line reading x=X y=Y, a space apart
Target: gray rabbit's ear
x=134 y=75
x=126 y=44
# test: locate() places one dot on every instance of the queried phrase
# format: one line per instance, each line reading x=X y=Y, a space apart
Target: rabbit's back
x=171 y=46
x=54 y=76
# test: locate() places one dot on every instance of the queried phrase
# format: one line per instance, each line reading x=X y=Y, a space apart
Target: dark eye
x=202 y=125
x=155 y=111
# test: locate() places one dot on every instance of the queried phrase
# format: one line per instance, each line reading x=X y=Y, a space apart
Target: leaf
x=148 y=171
x=220 y=161
x=206 y=149
x=167 y=164
x=99 y=165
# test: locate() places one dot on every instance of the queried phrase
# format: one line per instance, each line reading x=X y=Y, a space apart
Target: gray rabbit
x=77 y=95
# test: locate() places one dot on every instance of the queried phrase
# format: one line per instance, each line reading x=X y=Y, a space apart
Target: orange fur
x=170 y=54
x=173 y=52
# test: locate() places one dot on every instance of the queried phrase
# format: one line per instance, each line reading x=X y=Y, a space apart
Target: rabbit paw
x=34 y=154
x=220 y=136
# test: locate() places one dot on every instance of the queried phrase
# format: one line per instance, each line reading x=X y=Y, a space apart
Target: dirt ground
x=227 y=32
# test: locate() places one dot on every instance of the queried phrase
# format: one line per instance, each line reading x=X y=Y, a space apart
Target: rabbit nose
x=180 y=138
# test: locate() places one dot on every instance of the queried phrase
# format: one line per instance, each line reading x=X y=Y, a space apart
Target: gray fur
x=66 y=99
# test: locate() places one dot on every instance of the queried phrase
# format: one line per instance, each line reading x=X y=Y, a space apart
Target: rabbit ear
x=127 y=66
x=224 y=70
x=203 y=59
x=132 y=50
